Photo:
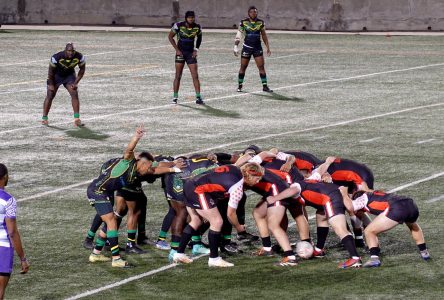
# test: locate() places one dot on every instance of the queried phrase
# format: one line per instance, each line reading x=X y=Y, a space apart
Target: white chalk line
x=436 y=199
x=425 y=141
x=167 y=267
x=370 y=140
x=231 y=96
x=87 y=81
x=261 y=138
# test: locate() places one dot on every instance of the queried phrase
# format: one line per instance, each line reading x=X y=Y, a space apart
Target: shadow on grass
x=5 y=31
x=276 y=96
x=82 y=133
x=208 y=110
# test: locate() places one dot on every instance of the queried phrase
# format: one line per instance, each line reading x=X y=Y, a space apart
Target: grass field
x=375 y=99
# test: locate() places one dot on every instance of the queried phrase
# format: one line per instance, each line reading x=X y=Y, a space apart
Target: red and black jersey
x=378 y=201
x=270 y=184
x=322 y=195
x=217 y=182
x=305 y=160
x=350 y=173
x=274 y=165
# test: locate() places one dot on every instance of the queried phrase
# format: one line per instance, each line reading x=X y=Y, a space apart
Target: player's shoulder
x=78 y=55
x=5 y=196
x=59 y=55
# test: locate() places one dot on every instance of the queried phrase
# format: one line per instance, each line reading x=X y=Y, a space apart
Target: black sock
x=168 y=220
x=375 y=251
x=266 y=241
x=263 y=79
x=112 y=236
x=187 y=233
x=142 y=220
x=100 y=243
x=307 y=240
x=213 y=238
x=288 y=253
x=422 y=247
x=241 y=78
x=349 y=244
x=175 y=241
x=97 y=221
x=322 y=233
x=357 y=232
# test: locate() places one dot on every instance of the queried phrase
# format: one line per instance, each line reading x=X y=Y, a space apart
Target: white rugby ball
x=304 y=249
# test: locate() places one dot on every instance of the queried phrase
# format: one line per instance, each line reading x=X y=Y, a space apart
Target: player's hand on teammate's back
x=180 y=163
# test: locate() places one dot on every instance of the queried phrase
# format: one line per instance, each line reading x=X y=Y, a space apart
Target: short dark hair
x=3 y=171
x=255 y=148
x=252 y=7
x=357 y=194
x=190 y=13
x=146 y=155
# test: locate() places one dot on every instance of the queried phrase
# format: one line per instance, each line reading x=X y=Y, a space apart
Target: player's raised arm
x=129 y=151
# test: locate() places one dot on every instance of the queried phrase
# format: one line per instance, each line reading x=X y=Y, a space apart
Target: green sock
x=175 y=94
x=45 y=118
x=91 y=234
x=198 y=95
x=162 y=235
x=76 y=115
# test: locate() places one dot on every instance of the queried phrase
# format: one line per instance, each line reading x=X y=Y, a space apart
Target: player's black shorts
x=136 y=195
x=403 y=211
x=102 y=203
x=334 y=206
x=174 y=187
x=186 y=57
x=197 y=201
x=68 y=79
x=247 y=52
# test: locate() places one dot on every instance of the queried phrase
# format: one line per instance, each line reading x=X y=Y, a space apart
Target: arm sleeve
x=175 y=28
x=11 y=208
x=236 y=192
x=82 y=60
x=256 y=159
x=241 y=27
x=53 y=62
x=360 y=202
x=282 y=156
x=315 y=176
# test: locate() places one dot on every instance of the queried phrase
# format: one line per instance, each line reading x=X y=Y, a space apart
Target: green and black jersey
x=186 y=35
x=252 y=32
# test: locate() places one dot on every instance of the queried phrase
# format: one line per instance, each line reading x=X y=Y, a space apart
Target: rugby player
x=9 y=234
x=252 y=29
x=391 y=210
x=202 y=193
x=186 y=52
x=121 y=173
x=62 y=71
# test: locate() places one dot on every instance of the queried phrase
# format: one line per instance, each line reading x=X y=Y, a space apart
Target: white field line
x=94 y=54
x=319 y=137
x=256 y=139
x=129 y=279
x=167 y=267
x=370 y=140
x=239 y=95
x=439 y=198
x=68 y=187
x=87 y=81
x=425 y=141
x=402 y=187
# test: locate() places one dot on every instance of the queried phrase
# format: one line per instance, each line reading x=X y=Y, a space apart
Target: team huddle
x=208 y=192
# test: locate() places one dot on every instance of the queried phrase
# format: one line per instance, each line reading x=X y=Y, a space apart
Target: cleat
x=287 y=262
x=277 y=249
x=98 y=258
x=263 y=252
x=45 y=122
x=132 y=248
x=174 y=101
x=143 y=240
x=425 y=254
x=267 y=89
x=318 y=254
x=171 y=255
x=199 y=249
x=247 y=237
x=350 y=263
x=163 y=245
x=120 y=263
x=373 y=262
x=239 y=88
x=200 y=101
x=181 y=258
x=219 y=262
x=78 y=123
x=88 y=243
x=231 y=248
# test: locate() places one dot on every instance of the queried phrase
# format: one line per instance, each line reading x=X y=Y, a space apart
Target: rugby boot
x=239 y=88
x=265 y=88
x=373 y=262
x=78 y=123
x=98 y=258
x=163 y=245
x=181 y=258
x=246 y=237
x=262 y=252
x=318 y=253
x=88 y=243
x=200 y=101
x=425 y=254
x=351 y=263
x=120 y=263
x=132 y=248
x=199 y=249
x=219 y=262
x=287 y=262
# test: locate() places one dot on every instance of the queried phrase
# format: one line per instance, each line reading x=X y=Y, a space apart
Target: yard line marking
x=402 y=187
x=55 y=191
x=167 y=267
x=319 y=137
x=425 y=141
x=86 y=81
x=262 y=138
x=94 y=54
x=129 y=279
x=235 y=95
x=439 y=198
x=370 y=140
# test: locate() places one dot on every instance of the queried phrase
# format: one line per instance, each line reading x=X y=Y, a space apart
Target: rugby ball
x=304 y=249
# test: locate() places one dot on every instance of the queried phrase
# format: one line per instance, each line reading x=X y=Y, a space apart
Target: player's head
x=252 y=12
x=190 y=17
x=145 y=163
x=70 y=50
x=252 y=149
x=3 y=175
x=357 y=195
x=252 y=173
